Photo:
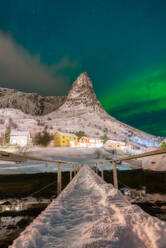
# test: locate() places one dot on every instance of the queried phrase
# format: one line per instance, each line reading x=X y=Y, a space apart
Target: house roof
x=67 y=134
x=116 y=142
x=19 y=133
x=89 y=140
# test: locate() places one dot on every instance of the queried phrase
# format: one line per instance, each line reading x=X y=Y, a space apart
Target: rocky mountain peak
x=82 y=85
x=82 y=97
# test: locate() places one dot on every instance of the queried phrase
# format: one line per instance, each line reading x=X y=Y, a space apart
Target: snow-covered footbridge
x=91 y=213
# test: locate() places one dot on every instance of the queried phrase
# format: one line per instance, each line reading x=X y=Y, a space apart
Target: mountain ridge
x=80 y=110
x=29 y=103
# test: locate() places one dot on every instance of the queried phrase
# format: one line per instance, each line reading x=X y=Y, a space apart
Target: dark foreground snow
x=91 y=213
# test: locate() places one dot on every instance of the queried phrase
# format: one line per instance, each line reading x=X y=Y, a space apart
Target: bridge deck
x=91 y=213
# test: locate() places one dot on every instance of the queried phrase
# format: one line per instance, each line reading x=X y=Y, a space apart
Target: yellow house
x=65 y=139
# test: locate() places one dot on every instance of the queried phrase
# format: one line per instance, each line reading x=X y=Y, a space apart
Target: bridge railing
x=75 y=166
x=126 y=158
x=18 y=158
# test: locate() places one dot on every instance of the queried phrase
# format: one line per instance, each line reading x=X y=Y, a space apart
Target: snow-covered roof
x=116 y=142
x=67 y=134
x=19 y=133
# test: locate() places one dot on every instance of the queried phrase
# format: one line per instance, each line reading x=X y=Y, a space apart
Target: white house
x=93 y=142
x=114 y=144
x=124 y=147
x=19 y=138
x=90 y=142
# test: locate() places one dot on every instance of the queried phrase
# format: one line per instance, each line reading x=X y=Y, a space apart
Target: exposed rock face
x=51 y=103
x=29 y=103
x=91 y=213
x=81 y=97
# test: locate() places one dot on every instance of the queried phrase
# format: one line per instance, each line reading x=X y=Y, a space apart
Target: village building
x=83 y=142
x=126 y=148
x=90 y=142
x=115 y=144
x=65 y=139
x=19 y=138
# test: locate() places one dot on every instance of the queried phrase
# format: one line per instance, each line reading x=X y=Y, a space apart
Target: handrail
x=7 y=156
x=145 y=154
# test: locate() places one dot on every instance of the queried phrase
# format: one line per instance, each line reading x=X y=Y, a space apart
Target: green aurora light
x=140 y=102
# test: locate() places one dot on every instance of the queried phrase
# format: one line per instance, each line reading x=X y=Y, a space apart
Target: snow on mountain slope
x=91 y=213
x=29 y=103
x=81 y=110
x=17 y=120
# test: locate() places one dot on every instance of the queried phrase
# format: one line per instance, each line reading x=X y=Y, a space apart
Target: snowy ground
x=83 y=155
x=92 y=123
x=90 y=213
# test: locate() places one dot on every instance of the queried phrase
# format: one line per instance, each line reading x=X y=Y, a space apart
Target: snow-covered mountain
x=29 y=103
x=81 y=110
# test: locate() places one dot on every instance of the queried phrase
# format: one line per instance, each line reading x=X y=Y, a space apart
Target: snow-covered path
x=91 y=213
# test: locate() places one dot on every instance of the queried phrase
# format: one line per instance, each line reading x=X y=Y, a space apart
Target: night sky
x=46 y=44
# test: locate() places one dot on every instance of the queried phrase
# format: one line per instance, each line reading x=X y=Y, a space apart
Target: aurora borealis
x=45 y=45
x=141 y=101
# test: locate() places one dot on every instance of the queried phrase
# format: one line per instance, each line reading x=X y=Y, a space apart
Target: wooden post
x=102 y=173
x=71 y=172
x=96 y=169
x=59 y=181
x=74 y=170
x=115 y=177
